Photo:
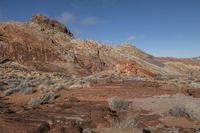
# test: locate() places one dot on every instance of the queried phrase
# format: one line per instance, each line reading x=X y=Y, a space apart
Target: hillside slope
x=46 y=45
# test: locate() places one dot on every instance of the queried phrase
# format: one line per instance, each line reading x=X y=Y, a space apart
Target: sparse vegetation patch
x=190 y=111
x=116 y=103
x=43 y=99
x=130 y=122
x=10 y=92
x=179 y=111
x=59 y=87
x=29 y=90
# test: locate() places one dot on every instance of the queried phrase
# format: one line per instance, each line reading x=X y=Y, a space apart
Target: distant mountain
x=46 y=45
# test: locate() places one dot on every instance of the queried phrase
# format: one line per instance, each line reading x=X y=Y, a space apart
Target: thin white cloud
x=91 y=21
x=67 y=18
x=106 y=41
x=134 y=37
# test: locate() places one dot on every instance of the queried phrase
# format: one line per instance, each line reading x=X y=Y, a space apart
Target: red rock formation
x=46 y=45
x=131 y=68
x=49 y=23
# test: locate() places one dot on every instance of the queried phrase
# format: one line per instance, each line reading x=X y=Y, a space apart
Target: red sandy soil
x=82 y=108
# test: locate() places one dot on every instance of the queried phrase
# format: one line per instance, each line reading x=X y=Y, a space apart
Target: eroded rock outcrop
x=47 y=45
x=131 y=68
x=49 y=23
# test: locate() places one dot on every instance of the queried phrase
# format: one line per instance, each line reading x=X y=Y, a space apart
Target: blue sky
x=159 y=27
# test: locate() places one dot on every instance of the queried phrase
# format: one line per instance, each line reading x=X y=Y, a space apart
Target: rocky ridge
x=46 y=45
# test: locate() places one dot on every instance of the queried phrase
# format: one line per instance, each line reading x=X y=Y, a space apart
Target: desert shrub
x=48 y=82
x=190 y=110
x=130 y=122
x=25 y=88
x=34 y=82
x=42 y=99
x=90 y=78
x=22 y=86
x=179 y=111
x=42 y=89
x=59 y=87
x=13 y=76
x=14 y=85
x=116 y=103
x=10 y=92
x=15 y=88
x=35 y=102
x=29 y=90
x=87 y=130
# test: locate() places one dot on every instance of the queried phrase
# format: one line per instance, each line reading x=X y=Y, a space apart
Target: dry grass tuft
x=130 y=122
x=43 y=99
x=116 y=103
